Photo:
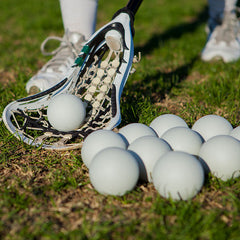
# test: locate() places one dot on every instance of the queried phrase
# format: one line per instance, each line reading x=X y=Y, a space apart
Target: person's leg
x=223 y=40
x=79 y=19
x=79 y=16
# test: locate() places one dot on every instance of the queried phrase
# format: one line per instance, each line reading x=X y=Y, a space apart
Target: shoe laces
x=65 y=54
x=229 y=30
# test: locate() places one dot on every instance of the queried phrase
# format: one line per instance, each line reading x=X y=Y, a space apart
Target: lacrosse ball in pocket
x=114 y=40
x=66 y=112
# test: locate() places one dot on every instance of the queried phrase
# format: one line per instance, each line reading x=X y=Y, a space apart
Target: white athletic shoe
x=224 y=40
x=58 y=67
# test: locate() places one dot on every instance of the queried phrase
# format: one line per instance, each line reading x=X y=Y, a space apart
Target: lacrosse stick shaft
x=133 y=5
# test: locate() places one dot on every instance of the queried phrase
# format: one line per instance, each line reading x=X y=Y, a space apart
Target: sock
x=79 y=16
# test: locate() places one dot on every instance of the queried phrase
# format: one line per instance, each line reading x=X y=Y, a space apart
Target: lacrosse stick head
x=98 y=78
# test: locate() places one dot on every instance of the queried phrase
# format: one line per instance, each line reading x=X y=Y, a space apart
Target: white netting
x=94 y=88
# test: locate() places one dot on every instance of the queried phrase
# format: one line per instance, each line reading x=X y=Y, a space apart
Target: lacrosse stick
x=98 y=78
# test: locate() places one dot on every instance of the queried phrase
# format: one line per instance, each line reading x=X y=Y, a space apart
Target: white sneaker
x=58 y=67
x=224 y=40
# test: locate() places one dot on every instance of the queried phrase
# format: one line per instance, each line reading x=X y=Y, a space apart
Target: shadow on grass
x=174 y=32
x=139 y=96
x=155 y=86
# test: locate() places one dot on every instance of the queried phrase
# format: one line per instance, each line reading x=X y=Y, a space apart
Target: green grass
x=48 y=195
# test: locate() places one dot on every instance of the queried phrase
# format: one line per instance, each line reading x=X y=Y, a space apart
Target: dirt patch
x=6 y=77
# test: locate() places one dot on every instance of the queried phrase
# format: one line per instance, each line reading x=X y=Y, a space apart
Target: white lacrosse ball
x=66 y=112
x=166 y=121
x=222 y=155
x=236 y=133
x=178 y=175
x=99 y=140
x=149 y=149
x=212 y=125
x=114 y=171
x=133 y=131
x=183 y=139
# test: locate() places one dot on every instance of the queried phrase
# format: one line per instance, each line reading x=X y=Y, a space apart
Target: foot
x=224 y=40
x=58 y=67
